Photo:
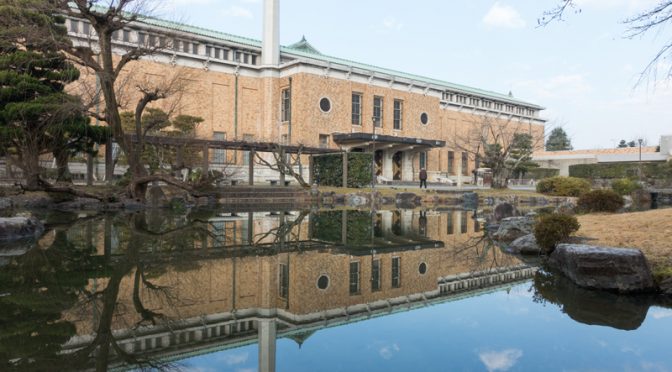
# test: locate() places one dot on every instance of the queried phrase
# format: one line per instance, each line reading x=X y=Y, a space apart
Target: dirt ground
x=650 y=231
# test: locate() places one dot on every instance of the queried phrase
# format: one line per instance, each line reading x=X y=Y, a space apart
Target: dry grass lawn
x=650 y=231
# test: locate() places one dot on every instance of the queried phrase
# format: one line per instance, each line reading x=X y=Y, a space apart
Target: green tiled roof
x=304 y=49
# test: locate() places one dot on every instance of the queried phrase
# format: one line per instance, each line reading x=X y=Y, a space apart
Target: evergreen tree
x=622 y=144
x=37 y=116
x=558 y=141
x=520 y=155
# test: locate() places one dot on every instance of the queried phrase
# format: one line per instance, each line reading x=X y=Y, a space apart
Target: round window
x=323 y=282
x=424 y=118
x=325 y=104
x=422 y=269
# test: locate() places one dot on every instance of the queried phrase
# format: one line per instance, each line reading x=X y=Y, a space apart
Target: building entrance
x=396 y=165
x=378 y=161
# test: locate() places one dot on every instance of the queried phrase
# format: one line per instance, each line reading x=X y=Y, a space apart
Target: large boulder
x=526 y=245
x=504 y=210
x=623 y=270
x=512 y=228
x=15 y=228
x=592 y=307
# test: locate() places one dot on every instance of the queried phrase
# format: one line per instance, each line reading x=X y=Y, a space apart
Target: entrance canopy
x=366 y=141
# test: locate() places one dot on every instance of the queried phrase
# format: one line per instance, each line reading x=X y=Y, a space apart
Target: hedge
x=328 y=226
x=328 y=169
x=563 y=186
x=541 y=173
x=621 y=170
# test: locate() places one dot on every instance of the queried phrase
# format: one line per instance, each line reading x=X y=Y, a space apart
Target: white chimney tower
x=270 y=44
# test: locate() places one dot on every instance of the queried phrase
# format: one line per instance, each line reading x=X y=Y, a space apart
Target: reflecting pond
x=341 y=290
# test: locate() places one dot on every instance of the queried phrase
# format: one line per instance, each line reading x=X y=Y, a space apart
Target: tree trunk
x=31 y=168
x=63 y=172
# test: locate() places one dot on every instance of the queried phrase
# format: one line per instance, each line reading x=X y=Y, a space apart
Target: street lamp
x=373 y=155
x=640 y=159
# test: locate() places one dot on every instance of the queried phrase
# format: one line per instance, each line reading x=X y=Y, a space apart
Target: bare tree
x=496 y=143
x=654 y=19
x=100 y=57
x=284 y=163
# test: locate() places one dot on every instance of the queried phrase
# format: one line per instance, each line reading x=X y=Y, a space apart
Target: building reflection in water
x=175 y=288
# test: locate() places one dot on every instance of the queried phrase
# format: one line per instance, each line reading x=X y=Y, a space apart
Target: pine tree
x=558 y=141
x=520 y=155
x=622 y=144
x=37 y=116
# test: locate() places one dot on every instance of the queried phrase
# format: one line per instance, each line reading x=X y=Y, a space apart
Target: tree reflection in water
x=139 y=278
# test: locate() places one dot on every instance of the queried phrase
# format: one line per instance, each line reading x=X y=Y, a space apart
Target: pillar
x=250 y=167
x=109 y=161
x=345 y=169
x=206 y=159
x=267 y=336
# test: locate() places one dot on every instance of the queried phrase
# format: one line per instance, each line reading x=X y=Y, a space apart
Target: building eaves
x=302 y=53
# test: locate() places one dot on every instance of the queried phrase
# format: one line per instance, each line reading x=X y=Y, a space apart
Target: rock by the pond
x=407 y=200
x=15 y=228
x=5 y=203
x=666 y=286
x=470 y=200
x=526 y=245
x=617 y=269
x=593 y=307
x=512 y=228
x=566 y=207
x=504 y=210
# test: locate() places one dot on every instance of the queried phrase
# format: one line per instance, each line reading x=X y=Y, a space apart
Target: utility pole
x=640 y=159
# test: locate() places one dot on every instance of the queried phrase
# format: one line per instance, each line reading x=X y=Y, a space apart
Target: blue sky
x=582 y=70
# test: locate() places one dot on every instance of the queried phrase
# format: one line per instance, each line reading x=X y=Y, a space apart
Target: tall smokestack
x=270 y=47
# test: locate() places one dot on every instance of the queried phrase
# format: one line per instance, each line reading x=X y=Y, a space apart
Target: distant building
x=255 y=90
x=562 y=160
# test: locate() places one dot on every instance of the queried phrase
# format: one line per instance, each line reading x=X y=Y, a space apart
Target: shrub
x=600 y=201
x=551 y=229
x=563 y=186
x=625 y=186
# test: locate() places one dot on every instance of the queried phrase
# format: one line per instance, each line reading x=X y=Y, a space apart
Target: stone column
x=267 y=336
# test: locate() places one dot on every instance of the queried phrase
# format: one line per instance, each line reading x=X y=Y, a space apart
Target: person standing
x=423 y=178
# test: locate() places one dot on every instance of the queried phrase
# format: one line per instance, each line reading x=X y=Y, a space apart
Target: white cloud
x=504 y=16
x=661 y=313
x=233 y=359
x=558 y=86
x=500 y=360
x=237 y=11
x=392 y=23
x=387 y=352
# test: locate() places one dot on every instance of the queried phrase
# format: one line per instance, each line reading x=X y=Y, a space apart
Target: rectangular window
x=225 y=54
x=86 y=28
x=398 y=113
x=185 y=46
x=152 y=40
x=219 y=155
x=246 y=154
x=286 y=109
x=246 y=58
x=142 y=38
x=324 y=141
x=451 y=163
x=450 y=227
x=194 y=48
x=208 y=51
x=283 y=290
x=375 y=275
x=396 y=272
x=354 y=278
x=465 y=164
x=378 y=111
x=463 y=222
x=217 y=50
x=423 y=160
x=237 y=56
x=74 y=26
x=126 y=35
x=254 y=60
x=356 y=109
